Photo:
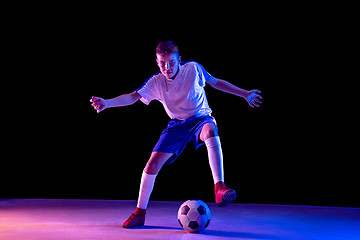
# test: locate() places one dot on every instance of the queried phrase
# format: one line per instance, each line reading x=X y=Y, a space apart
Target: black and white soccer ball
x=194 y=216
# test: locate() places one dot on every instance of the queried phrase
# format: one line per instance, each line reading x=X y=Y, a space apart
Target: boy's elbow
x=134 y=96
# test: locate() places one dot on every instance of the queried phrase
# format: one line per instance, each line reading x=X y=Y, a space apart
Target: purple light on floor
x=102 y=219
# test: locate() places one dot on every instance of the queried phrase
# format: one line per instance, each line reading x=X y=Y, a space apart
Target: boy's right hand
x=99 y=104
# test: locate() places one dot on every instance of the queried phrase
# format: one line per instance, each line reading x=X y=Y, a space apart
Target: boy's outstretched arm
x=101 y=104
x=252 y=97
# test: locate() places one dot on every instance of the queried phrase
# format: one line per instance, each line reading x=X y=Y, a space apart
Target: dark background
x=294 y=149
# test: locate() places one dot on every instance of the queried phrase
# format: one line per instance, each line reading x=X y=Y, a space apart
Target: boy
x=180 y=88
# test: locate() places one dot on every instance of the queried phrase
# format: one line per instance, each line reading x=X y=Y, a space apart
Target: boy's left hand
x=253 y=98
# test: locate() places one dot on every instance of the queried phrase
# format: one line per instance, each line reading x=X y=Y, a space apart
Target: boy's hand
x=99 y=104
x=253 y=98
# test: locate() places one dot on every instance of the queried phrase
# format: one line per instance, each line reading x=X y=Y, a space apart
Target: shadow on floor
x=157 y=227
x=244 y=235
x=216 y=233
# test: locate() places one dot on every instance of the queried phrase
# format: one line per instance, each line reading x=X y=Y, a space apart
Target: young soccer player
x=180 y=88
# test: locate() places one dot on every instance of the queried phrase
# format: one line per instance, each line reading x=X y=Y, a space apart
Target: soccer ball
x=194 y=216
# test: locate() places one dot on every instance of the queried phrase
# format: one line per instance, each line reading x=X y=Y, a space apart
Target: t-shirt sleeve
x=148 y=91
x=204 y=75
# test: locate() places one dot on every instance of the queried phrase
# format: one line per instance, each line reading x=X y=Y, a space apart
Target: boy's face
x=168 y=64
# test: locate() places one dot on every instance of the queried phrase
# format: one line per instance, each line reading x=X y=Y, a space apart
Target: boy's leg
x=150 y=172
x=211 y=138
x=209 y=135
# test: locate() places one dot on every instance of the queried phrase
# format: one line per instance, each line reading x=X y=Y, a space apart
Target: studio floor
x=39 y=219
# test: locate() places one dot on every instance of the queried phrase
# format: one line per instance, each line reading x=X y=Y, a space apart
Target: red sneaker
x=223 y=195
x=136 y=219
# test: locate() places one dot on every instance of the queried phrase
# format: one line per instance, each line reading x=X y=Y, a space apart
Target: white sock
x=146 y=187
x=215 y=158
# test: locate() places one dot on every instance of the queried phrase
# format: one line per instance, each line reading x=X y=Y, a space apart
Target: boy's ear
x=179 y=59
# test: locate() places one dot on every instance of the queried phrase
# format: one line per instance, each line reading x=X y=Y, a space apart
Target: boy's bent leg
x=153 y=166
x=212 y=141
x=209 y=135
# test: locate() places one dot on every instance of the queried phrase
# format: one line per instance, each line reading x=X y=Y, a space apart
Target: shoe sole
x=227 y=198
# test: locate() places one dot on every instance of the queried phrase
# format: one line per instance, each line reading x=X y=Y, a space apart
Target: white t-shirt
x=182 y=97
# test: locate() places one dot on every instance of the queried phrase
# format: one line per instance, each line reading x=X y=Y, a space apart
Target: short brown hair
x=167 y=47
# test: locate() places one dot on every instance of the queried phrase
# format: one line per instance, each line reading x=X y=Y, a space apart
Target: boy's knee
x=156 y=161
x=208 y=131
x=151 y=167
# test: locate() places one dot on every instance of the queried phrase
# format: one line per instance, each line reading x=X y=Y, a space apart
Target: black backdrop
x=289 y=151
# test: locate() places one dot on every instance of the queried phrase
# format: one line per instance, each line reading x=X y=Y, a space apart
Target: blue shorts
x=179 y=132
